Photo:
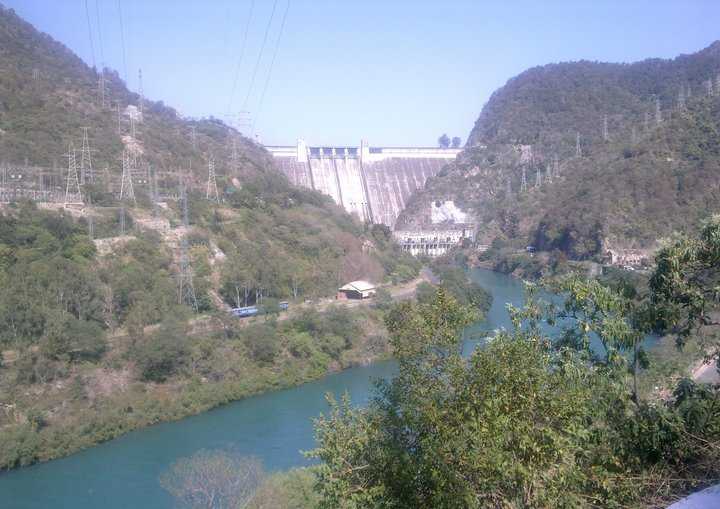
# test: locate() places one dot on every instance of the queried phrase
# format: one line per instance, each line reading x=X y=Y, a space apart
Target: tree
x=515 y=425
x=163 y=353
x=444 y=141
x=213 y=480
x=456 y=142
x=685 y=285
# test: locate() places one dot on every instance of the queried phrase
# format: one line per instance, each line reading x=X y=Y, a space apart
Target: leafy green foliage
x=521 y=423
x=686 y=282
x=164 y=353
x=46 y=276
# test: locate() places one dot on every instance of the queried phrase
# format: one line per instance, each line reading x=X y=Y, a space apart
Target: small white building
x=356 y=290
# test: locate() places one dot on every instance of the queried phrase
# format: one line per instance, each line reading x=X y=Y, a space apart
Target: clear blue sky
x=393 y=72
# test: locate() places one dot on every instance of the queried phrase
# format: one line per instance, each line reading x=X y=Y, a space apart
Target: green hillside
x=649 y=177
x=47 y=94
x=90 y=318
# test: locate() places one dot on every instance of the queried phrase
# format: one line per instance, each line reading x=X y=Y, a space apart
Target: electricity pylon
x=186 y=289
x=126 y=183
x=212 y=190
x=73 y=195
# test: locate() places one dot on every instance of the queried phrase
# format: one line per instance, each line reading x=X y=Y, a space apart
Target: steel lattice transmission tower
x=73 y=195
x=126 y=183
x=578 y=148
x=186 y=289
x=212 y=190
x=605 y=128
x=101 y=89
x=86 y=169
x=523 y=181
x=658 y=111
x=538 y=176
x=234 y=158
x=549 y=173
x=681 y=97
x=141 y=93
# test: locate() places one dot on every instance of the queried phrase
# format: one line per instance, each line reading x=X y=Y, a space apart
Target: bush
x=164 y=353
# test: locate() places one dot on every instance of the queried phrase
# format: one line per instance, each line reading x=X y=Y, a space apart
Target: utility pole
x=86 y=170
x=212 y=190
x=578 y=149
x=186 y=289
x=73 y=195
x=548 y=174
x=126 y=183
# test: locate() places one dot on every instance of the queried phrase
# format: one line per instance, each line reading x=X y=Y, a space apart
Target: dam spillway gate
x=375 y=183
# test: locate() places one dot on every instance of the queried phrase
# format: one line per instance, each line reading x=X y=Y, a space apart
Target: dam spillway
x=373 y=183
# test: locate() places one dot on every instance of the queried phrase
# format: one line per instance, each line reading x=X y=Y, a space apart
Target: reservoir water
x=275 y=427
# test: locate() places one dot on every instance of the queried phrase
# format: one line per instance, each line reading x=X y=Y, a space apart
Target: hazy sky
x=393 y=72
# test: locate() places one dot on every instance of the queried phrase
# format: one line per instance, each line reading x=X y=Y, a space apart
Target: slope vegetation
x=613 y=155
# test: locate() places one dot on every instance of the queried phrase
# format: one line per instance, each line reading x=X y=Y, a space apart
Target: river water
x=275 y=427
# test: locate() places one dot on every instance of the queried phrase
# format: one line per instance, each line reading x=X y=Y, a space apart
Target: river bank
x=93 y=405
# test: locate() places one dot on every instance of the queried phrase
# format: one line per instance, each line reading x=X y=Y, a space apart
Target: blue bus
x=246 y=311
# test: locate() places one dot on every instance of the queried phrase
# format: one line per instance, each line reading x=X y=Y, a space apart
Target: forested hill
x=653 y=170
x=548 y=105
x=47 y=94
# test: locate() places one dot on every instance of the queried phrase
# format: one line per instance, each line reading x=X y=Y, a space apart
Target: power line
x=90 y=36
x=260 y=54
x=122 y=41
x=272 y=64
x=242 y=54
x=99 y=30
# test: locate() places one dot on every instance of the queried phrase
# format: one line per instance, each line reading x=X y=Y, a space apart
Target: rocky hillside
x=613 y=154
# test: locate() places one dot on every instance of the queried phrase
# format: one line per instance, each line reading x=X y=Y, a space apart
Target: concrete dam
x=374 y=183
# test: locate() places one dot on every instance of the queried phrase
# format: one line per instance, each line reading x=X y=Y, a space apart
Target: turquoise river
x=276 y=427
